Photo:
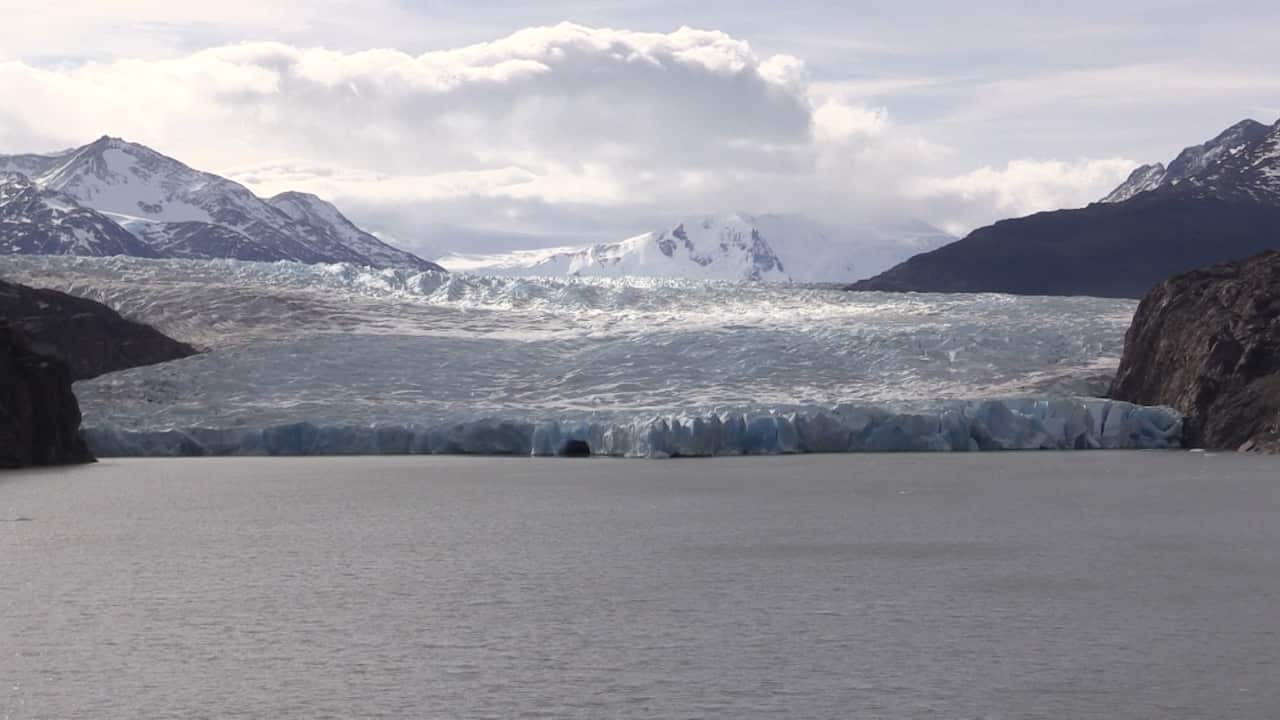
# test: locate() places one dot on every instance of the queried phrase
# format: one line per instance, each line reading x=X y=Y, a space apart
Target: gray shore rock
x=1207 y=343
x=39 y=415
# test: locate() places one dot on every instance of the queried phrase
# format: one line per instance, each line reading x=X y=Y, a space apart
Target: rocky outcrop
x=39 y=415
x=1208 y=344
x=87 y=336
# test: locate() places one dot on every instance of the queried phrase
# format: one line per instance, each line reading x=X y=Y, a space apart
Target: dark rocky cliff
x=1105 y=250
x=88 y=336
x=49 y=339
x=1208 y=344
x=39 y=415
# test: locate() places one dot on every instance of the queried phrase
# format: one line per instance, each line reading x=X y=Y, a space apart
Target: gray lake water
x=1032 y=585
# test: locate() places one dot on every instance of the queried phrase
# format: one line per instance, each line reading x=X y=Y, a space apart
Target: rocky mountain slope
x=111 y=188
x=1216 y=202
x=731 y=247
x=34 y=221
x=1191 y=162
x=1208 y=344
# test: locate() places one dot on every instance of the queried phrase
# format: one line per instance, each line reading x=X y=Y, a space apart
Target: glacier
x=1019 y=424
x=333 y=359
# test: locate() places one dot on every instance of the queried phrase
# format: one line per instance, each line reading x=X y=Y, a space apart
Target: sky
x=482 y=125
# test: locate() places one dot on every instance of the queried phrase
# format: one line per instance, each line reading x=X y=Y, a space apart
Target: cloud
x=561 y=96
x=62 y=30
x=565 y=129
x=1019 y=188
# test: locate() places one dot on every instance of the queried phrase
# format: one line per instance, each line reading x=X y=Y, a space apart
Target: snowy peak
x=123 y=178
x=1197 y=158
x=1202 y=167
x=45 y=222
x=710 y=247
x=729 y=247
x=183 y=212
x=329 y=227
x=1146 y=177
x=302 y=206
x=1248 y=172
x=733 y=243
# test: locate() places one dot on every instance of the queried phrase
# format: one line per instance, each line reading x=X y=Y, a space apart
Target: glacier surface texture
x=317 y=359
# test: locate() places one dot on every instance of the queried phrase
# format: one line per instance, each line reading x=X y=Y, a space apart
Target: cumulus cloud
x=561 y=129
x=1019 y=188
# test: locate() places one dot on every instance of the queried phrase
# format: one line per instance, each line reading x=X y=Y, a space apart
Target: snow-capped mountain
x=1142 y=179
x=326 y=227
x=44 y=222
x=708 y=248
x=1249 y=173
x=732 y=247
x=1234 y=163
x=181 y=212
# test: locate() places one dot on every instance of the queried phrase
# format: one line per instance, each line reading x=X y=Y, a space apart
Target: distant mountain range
x=1215 y=202
x=113 y=197
x=731 y=247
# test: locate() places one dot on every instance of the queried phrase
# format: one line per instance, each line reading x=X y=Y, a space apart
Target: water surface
x=1034 y=585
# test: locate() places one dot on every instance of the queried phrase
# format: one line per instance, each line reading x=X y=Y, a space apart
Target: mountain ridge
x=178 y=211
x=1193 y=160
x=1225 y=206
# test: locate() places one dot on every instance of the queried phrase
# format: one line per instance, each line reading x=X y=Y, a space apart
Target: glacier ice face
x=340 y=358
x=1062 y=424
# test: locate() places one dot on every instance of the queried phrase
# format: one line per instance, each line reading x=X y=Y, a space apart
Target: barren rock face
x=39 y=416
x=49 y=339
x=1208 y=344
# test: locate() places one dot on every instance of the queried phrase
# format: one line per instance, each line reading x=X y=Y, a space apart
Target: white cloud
x=1019 y=188
x=836 y=121
x=560 y=95
x=548 y=130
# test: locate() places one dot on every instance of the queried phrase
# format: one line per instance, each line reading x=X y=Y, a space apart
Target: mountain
x=176 y=211
x=321 y=222
x=1215 y=202
x=44 y=222
x=732 y=247
x=1142 y=179
x=1192 y=161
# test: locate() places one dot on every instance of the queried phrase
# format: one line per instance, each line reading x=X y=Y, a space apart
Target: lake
x=994 y=585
